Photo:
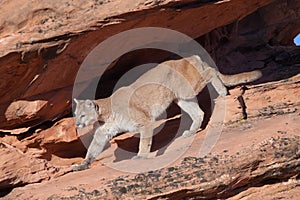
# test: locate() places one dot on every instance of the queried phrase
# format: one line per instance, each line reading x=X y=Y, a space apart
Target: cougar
x=137 y=106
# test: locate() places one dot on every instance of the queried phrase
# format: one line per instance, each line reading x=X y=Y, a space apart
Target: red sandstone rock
x=43 y=44
x=18 y=169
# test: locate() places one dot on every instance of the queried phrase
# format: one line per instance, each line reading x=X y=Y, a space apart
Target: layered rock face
x=42 y=52
x=43 y=44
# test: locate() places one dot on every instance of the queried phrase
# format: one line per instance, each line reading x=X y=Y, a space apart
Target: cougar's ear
x=89 y=103
x=75 y=100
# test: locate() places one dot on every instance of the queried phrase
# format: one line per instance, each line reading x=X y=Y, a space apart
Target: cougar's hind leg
x=219 y=86
x=146 y=134
x=211 y=75
x=192 y=108
x=96 y=147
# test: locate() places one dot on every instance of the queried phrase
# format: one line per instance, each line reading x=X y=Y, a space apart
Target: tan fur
x=136 y=107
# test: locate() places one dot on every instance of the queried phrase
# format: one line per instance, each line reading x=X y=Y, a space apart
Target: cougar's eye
x=82 y=116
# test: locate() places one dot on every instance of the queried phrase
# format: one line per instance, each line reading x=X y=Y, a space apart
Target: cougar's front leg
x=96 y=147
x=146 y=134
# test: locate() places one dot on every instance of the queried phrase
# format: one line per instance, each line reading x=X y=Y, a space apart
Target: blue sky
x=297 y=40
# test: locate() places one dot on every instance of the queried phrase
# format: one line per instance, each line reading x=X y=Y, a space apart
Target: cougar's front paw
x=79 y=167
x=138 y=157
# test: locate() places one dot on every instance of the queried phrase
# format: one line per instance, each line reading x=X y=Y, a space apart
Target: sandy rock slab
x=272 y=161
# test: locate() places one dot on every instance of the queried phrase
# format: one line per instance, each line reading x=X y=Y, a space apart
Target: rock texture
x=18 y=169
x=42 y=46
x=211 y=177
x=241 y=145
x=38 y=41
x=39 y=46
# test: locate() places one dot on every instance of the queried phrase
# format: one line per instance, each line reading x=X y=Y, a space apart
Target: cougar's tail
x=236 y=79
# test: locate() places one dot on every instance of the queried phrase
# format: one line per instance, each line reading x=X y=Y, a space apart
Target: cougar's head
x=86 y=113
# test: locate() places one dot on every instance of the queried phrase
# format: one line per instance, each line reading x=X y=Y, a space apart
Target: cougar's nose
x=78 y=125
